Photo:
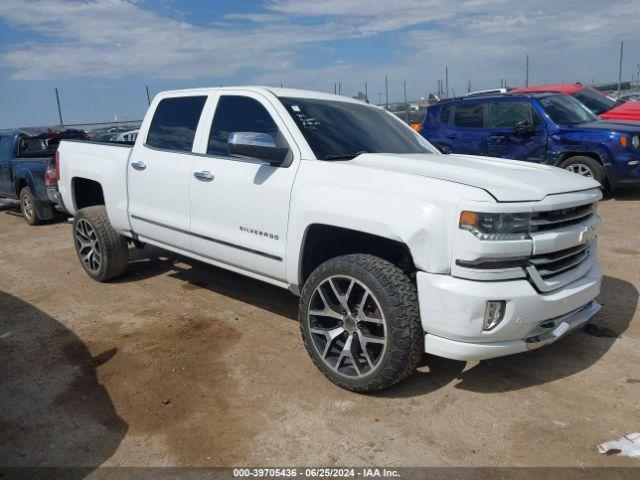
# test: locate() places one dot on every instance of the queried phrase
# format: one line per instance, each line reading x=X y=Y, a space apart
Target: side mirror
x=523 y=128
x=256 y=145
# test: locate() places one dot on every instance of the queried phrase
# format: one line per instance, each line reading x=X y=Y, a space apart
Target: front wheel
x=102 y=251
x=360 y=322
x=586 y=167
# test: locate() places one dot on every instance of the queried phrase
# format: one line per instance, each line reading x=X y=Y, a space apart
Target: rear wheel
x=102 y=251
x=585 y=166
x=29 y=208
x=360 y=323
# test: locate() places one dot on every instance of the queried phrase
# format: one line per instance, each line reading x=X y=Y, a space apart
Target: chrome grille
x=550 y=264
x=552 y=219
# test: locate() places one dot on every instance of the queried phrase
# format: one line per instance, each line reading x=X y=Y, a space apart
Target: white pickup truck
x=394 y=248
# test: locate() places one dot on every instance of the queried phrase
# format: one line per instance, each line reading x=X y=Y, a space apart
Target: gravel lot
x=179 y=363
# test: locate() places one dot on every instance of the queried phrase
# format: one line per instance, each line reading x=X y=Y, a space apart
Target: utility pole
x=148 y=97
x=335 y=88
x=469 y=87
x=339 y=88
x=526 y=80
x=366 y=92
x=406 y=105
x=620 y=69
x=59 y=109
x=446 y=79
x=386 y=92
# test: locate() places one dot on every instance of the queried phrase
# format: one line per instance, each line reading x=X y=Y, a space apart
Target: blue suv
x=548 y=128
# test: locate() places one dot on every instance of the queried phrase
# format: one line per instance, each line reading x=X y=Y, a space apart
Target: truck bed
x=102 y=162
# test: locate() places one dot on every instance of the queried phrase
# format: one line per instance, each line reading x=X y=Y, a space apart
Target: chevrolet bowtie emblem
x=587 y=234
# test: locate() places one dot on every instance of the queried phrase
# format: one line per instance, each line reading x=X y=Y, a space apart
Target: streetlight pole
x=446 y=80
x=59 y=109
x=386 y=92
x=620 y=69
x=406 y=105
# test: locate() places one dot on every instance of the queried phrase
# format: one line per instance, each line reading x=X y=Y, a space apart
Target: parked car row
x=28 y=171
x=28 y=167
x=605 y=107
x=394 y=248
x=541 y=127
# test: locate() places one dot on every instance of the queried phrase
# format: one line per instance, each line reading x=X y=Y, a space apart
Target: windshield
x=595 y=101
x=566 y=110
x=338 y=130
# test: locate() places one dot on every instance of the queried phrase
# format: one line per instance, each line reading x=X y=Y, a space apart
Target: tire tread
x=403 y=316
x=115 y=250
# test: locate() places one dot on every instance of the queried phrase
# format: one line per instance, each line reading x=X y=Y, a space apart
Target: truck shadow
x=626 y=195
x=568 y=356
x=9 y=206
x=53 y=410
x=12 y=207
x=152 y=261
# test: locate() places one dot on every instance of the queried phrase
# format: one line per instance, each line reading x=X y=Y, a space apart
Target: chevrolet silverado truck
x=393 y=248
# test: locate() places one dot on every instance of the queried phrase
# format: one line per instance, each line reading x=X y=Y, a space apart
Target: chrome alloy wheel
x=88 y=246
x=27 y=206
x=580 y=169
x=347 y=326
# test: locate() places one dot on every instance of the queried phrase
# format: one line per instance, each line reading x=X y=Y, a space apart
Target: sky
x=101 y=54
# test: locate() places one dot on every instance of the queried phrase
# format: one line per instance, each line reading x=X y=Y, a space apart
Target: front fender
x=423 y=228
x=561 y=146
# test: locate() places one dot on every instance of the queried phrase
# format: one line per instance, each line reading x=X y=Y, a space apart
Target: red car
x=594 y=100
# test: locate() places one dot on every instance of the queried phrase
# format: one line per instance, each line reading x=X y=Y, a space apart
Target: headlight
x=635 y=141
x=496 y=226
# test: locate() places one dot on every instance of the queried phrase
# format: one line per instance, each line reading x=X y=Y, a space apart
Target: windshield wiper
x=343 y=156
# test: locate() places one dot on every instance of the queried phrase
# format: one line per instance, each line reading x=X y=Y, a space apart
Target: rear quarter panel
x=102 y=163
x=31 y=171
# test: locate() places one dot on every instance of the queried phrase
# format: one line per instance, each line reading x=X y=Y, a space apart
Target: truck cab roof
x=278 y=92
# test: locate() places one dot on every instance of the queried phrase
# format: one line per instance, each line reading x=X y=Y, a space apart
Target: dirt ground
x=183 y=364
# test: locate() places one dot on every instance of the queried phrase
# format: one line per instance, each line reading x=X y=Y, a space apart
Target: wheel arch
x=321 y=242
x=86 y=192
x=569 y=154
x=23 y=181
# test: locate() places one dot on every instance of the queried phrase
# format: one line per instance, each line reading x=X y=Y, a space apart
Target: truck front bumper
x=452 y=312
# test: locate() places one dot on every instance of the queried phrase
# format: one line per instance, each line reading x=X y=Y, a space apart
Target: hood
x=626 y=127
x=628 y=111
x=505 y=180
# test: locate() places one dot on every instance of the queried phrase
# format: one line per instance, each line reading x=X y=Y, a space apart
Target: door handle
x=453 y=136
x=139 y=165
x=204 y=176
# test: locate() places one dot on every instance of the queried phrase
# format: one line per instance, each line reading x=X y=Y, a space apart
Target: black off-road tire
x=398 y=299
x=113 y=246
x=592 y=164
x=28 y=207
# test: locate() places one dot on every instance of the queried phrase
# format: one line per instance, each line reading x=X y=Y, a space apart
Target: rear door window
x=175 y=122
x=469 y=115
x=505 y=115
x=445 y=114
x=5 y=147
